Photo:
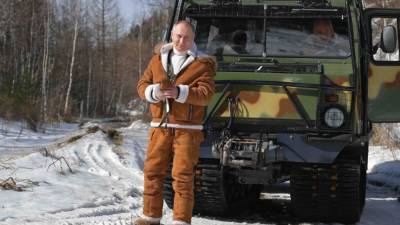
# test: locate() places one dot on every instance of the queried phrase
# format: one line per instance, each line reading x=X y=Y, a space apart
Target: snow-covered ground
x=106 y=184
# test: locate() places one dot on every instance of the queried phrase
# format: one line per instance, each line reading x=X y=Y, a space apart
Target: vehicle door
x=383 y=62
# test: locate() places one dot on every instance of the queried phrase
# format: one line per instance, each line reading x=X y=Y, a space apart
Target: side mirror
x=389 y=39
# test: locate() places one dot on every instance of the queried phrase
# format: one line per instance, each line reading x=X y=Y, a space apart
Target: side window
x=378 y=24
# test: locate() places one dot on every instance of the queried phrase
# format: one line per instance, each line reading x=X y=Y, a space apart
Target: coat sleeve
x=145 y=84
x=203 y=89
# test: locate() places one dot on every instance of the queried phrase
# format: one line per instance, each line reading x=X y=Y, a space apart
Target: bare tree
x=54 y=60
x=77 y=13
x=45 y=62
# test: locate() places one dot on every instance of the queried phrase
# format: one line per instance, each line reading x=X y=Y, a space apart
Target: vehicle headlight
x=334 y=117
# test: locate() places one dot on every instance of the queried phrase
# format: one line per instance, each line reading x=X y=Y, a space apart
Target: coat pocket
x=196 y=113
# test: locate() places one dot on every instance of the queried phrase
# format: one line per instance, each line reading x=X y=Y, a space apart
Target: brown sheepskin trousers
x=182 y=147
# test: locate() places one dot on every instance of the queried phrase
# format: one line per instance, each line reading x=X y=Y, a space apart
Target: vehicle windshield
x=306 y=37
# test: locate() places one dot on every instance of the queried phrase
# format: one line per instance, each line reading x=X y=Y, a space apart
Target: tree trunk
x=88 y=87
x=45 y=64
x=140 y=50
x=72 y=58
x=119 y=102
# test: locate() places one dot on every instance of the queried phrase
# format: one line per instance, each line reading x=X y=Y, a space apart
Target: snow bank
x=104 y=185
x=384 y=167
x=16 y=139
x=138 y=125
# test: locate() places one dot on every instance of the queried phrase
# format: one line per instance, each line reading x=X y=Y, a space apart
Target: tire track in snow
x=136 y=144
x=93 y=210
x=99 y=159
x=116 y=199
x=94 y=165
x=120 y=219
x=108 y=160
x=77 y=157
x=105 y=162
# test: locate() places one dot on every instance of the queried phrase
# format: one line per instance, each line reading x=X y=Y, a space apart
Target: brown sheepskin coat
x=199 y=76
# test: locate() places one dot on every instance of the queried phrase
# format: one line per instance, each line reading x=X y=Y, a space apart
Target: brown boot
x=141 y=221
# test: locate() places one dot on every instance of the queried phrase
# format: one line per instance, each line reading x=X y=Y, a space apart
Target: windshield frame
x=271 y=14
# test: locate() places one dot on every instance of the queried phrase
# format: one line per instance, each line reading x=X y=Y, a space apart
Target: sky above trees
x=134 y=11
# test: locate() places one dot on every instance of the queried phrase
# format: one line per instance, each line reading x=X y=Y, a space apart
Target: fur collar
x=163 y=49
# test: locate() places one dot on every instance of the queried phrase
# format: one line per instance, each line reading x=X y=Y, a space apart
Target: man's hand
x=171 y=92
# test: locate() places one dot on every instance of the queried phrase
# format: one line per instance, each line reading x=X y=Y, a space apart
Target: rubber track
x=209 y=193
x=329 y=193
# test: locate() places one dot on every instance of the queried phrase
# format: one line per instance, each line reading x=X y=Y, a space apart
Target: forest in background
x=61 y=60
x=65 y=59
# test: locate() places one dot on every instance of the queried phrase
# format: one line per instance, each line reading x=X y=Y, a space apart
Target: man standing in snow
x=178 y=83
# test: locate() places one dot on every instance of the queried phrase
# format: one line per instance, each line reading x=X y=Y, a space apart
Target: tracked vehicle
x=299 y=83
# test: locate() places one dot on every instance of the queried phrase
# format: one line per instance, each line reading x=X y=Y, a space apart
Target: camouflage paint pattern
x=272 y=102
x=264 y=102
x=383 y=91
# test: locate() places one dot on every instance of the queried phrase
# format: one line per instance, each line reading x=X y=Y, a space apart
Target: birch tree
x=77 y=13
x=57 y=54
x=45 y=62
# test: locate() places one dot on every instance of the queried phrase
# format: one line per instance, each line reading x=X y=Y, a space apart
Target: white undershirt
x=177 y=59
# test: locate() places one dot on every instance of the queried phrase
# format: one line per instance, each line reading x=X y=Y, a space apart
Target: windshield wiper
x=314 y=10
x=295 y=68
x=276 y=67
